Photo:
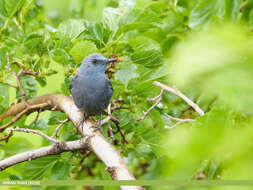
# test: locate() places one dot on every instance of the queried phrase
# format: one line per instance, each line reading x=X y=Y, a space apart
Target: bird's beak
x=112 y=60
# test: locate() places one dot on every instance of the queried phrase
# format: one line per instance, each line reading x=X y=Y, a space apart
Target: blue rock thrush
x=91 y=89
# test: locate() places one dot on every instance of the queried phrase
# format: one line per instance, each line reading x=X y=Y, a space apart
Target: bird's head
x=96 y=61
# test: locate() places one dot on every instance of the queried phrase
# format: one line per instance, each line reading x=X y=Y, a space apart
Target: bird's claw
x=96 y=128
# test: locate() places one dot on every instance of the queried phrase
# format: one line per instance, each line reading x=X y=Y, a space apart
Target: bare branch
x=178 y=119
x=117 y=123
x=58 y=127
x=110 y=132
x=96 y=141
x=37 y=116
x=181 y=95
x=105 y=121
x=22 y=112
x=8 y=84
x=6 y=139
x=38 y=132
x=17 y=76
x=30 y=73
x=158 y=98
x=44 y=151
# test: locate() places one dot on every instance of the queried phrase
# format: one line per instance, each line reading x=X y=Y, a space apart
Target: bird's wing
x=75 y=91
x=110 y=88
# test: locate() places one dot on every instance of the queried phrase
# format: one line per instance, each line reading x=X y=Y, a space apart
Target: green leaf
x=96 y=33
x=2 y=8
x=41 y=80
x=111 y=18
x=251 y=20
x=70 y=29
x=4 y=97
x=29 y=85
x=60 y=56
x=138 y=19
x=34 y=43
x=36 y=169
x=202 y=14
x=233 y=8
x=12 y=6
x=150 y=58
x=126 y=73
x=147 y=52
x=130 y=16
x=3 y=59
x=60 y=170
x=82 y=49
x=15 y=145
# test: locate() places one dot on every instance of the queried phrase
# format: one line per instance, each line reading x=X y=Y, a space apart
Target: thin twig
x=26 y=110
x=8 y=84
x=30 y=73
x=58 y=127
x=158 y=98
x=105 y=121
x=6 y=139
x=181 y=95
x=37 y=117
x=178 y=119
x=38 y=132
x=110 y=132
x=17 y=76
x=117 y=123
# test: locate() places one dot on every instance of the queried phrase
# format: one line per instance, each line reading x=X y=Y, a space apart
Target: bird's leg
x=82 y=122
x=98 y=125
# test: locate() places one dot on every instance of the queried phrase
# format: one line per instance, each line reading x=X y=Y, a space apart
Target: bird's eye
x=94 y=61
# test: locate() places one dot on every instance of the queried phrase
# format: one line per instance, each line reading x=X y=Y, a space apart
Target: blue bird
x=91 y=89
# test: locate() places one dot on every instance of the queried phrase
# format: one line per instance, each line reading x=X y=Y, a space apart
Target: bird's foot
x=96 y=127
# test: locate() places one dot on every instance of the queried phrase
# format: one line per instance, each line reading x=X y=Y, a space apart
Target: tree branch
x=178 y=119
x=38 y=132
x=17 y=76
x=44 y=151
x=8 y=84
x=21 y=113
x=181 y=95
x=158 y=98
x=95 y=140
x=59 y=126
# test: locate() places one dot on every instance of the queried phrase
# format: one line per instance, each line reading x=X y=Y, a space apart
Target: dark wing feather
x=110 y=88
x=76 y=92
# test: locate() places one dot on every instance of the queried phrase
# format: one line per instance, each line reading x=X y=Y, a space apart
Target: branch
x=21 y=113
x=6 y=138
x=59 y=126
x=38 y=132
x=96 y=142
x=37 y=117
x=114 y=120
x=181 y=95
x=178 y=119
x=17 y=76
x=8 y=84
x=44 y=151
x=158 y=98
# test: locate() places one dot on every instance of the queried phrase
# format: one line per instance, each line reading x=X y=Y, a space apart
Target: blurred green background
x=202 y=47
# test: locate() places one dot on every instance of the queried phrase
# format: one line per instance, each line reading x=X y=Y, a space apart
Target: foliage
x=204 y=47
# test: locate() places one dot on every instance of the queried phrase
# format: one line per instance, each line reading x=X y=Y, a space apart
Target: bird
x=90 y=88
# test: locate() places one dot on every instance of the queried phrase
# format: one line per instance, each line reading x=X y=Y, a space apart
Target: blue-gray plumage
x=90 y=88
